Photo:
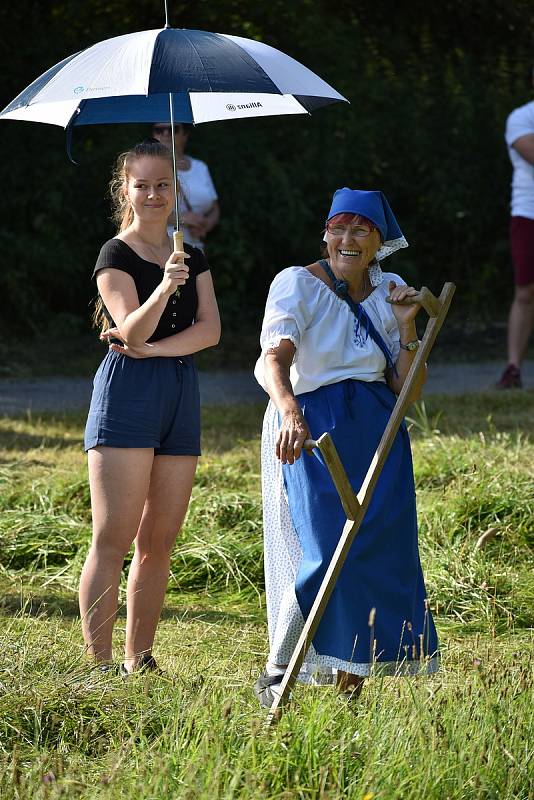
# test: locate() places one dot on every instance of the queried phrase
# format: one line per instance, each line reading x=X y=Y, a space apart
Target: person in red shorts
x=520 y=140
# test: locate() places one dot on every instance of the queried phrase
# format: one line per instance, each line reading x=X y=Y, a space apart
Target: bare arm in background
x=525 y=147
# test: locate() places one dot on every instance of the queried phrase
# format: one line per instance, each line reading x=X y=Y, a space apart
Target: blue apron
x=382 y=570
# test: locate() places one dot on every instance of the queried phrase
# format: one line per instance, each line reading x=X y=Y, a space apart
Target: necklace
x=363 y=289
x=159 y=259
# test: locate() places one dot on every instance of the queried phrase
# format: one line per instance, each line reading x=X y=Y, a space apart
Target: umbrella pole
x=178 y=236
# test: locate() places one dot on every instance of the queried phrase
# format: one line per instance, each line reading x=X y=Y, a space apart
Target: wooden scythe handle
x=337 y=473
x=429 y=301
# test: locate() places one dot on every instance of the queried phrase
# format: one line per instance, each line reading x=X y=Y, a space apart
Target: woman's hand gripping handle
x=176 y=272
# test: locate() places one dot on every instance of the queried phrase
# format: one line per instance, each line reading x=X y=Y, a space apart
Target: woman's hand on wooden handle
x=423 y=298
x=404 y=302
x=293 y=433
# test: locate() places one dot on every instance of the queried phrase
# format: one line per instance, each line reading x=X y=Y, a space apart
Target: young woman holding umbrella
x=157 y=307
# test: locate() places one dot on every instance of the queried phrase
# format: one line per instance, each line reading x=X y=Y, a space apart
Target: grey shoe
x=266 y=688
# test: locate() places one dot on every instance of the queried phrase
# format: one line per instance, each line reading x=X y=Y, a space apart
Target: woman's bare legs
x=119 y=479
x=164 y=511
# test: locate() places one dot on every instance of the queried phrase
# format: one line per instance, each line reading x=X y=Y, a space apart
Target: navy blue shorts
x=149 y=402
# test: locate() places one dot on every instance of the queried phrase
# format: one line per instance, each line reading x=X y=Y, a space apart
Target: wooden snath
x=355 y=505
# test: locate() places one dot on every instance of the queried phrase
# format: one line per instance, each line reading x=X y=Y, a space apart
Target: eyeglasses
x=358 y=231
x=164 y=129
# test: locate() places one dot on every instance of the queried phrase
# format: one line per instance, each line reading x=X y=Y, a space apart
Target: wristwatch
x=410 y=345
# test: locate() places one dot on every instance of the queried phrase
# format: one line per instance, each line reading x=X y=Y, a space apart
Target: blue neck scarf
x=341 y=288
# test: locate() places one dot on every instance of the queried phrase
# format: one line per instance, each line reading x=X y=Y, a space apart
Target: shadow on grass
x=23 y=442
x=23 y=432
x=56 y=605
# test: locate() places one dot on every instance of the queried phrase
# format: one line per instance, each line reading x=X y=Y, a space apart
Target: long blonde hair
x=122 y=212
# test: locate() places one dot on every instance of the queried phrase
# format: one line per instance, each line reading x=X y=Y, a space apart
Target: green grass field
x=67 y=731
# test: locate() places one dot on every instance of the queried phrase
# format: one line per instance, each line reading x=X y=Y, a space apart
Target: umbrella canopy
x=174 y=75
x=206 y=76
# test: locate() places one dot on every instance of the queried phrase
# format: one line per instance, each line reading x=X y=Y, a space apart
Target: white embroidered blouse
x=329 y=344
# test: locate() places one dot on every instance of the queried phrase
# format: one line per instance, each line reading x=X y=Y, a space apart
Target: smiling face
x=149 y=188
x=352 y=243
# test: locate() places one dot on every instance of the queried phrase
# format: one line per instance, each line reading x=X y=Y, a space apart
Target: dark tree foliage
x=429 y=84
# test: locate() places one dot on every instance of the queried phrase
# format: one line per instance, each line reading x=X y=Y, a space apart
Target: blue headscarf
x=376 y=208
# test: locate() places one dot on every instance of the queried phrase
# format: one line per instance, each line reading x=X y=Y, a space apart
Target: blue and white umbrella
x=173 y=75
x=210 y=76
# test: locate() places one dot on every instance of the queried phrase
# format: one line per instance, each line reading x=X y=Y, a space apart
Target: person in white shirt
x=198 y=203
x=334 y=356
x=520 y=140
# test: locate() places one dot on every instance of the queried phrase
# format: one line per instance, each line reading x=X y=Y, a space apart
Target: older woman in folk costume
x=335 y=354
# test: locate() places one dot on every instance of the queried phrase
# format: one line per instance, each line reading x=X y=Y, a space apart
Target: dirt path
x=61 y=394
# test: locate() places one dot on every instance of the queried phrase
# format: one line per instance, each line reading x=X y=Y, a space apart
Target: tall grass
x=67 y=731
x=196 y=732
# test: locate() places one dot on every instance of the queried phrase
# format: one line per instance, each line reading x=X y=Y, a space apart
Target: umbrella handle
x=178 y=240
x=178 y=243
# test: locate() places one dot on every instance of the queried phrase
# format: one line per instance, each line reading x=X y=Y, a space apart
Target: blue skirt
x=378 y=612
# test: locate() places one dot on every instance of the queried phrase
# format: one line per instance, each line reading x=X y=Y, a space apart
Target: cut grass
x=69 y=731
x=66 y=730
x=468 y=483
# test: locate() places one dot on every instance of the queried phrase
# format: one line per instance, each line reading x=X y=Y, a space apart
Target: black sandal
x=107 y=668
x=147 y=663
